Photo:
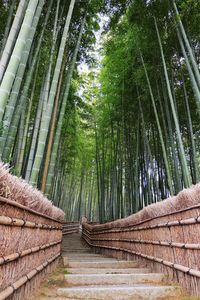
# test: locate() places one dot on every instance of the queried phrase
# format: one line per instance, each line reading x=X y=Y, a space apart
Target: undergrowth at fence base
x=50 y=285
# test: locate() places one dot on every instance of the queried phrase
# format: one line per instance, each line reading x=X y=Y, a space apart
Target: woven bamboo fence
x=164 y=236
x=70 y=227
x=30 y=238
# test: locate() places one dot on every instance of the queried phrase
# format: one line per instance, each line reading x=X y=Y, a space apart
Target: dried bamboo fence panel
x=70 y=227
x=30 y=236
x=30 y=246
x=166 y=236
x=18 y=190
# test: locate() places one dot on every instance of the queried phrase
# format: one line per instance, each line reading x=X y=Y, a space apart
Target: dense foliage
x=149 y=106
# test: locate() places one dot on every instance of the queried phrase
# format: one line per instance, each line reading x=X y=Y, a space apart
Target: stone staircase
x=92 y=276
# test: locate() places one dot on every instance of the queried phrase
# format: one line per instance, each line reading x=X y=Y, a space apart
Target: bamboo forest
x=100 y=149
x=100 y=101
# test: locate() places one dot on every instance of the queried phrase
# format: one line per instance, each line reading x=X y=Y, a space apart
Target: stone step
x=70 y=245
x=113 y=279
x=88 y=260
x=78 y=258
x=65 y=253
x=90 y=276
x=87 y=254
x=76 y=250
x=137 y=292
x=83 y=257
x=67 y=259
x=75 y=256
x=101 y=264
x=107 y=271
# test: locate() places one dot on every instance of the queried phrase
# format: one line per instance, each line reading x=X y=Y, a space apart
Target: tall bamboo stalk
x=19 y=76
x=8 y=26
x=11 y=70
x=191 y=74
x=186 y=175
x=47 y=117
x=11 y=39
x=19 y=163
x=7 y=144
x=186 y=41
x=194 y=160
x=169 y=178
x=52 y=129
x=62 y=112
x=35 y=134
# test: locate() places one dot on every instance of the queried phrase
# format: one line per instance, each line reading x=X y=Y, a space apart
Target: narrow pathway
x=93 y=276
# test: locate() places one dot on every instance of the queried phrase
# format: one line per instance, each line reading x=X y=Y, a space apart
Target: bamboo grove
x=148 y=135
x=106 y=142
x=41 y=41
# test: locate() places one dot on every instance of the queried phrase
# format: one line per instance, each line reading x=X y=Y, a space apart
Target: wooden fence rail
x=70 y=227
x=168 y=243
x=30 y=246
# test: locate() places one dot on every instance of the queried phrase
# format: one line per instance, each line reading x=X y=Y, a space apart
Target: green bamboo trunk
x=19 y=163
x=186 y=41
x=47 y=116
x=11 y=71
x=191 y=74
x=35 y=134
x=169 y=178
x=11 y=38
x=62 y=113
x=186 y=174
x=19 y=77
x=8 y=27
x=10 y=137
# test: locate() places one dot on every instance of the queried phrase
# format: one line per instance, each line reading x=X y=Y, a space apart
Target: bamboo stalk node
x=13 y=287
x=194 y=272
x=5 y=220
